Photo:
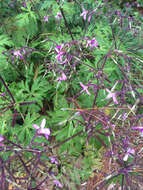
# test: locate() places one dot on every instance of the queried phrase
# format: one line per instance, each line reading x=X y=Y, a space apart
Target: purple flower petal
x=63 y=77
x=1 y=138
x=84 y=14
x=17 y=53
x=43 y=123
x=129 y=151
x=124 y=116
x=24 y=4
x=11 y=5
x=45 y=131
x=58 y=16
x=47 y=136
x=92 y=43
x=138 y=128
x=41 y=130
x=46 y=19
x=111 y=95
x=53 y=160
x=35 y=126
x=84 y=88
x=57 y=183
x=3 y=94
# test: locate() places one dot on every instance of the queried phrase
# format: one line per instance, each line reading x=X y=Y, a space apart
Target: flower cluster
x=19 y=54
x=40 y=130
x=91 y=72
x=62 y=78
x=60 y=52
x=86 y=13
x=58 y=17
x=92 y=43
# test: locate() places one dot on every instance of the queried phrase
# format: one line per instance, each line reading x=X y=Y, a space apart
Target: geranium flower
x=90 y=14
x=124 y=116
x=63 y=77
x=129 y=151
x=17 y=53
x=57 y=183
x=41 y=130
x=92 y=43
x=84 y=88
x=59 y=52
x=46 y=19
x=2 y=94
x=53 y=160
x=84 y=14
x=58 y=16
x=139 y=128
x=11 y=5
x=111 y=95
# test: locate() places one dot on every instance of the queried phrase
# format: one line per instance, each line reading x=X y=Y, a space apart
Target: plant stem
x=8 y=91
x=66 y=24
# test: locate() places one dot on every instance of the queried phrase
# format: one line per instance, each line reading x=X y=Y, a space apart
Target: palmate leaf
x=26 y=131
x=4 y=41
x=6 y=118
x=22 y=19
x=26 y=24
x=45 y=4
x=36 y=93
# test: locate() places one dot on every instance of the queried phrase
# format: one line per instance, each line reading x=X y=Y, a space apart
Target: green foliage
x=32 y=79
x=26 y=24
x=4 y=41
x=25 y=132
x=5 y=121
x=46 y=4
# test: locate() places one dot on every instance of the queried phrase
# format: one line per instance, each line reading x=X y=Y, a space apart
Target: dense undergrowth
x=71 y=94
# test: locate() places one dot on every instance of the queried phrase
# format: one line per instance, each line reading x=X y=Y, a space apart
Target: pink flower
x=17 y=54
x=63 y=77
x=84 y=14
x=129 y=151
x=84 y=88
x=41 y=130
x=11 y=5
x=57 y=183
x=2 y=94
x=111 y=95
x=64 y=62
x=46 y=19
x=90 y=14
x=59 y=53
x=92 y=43
x=24 y=4
x=53 y=160
x=124 y=116
x=59 y=56
x=58 y=16
x=139 y=128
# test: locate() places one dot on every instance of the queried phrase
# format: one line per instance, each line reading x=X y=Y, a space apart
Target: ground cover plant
x=71 y=95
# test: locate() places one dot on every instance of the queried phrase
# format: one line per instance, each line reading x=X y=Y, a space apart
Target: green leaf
x=46 y=4
x=5 y=40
